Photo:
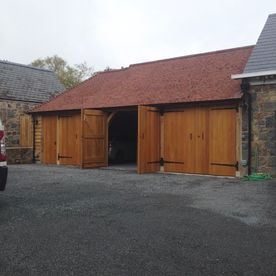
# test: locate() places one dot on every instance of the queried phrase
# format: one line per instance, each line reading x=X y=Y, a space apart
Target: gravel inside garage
x=58 y=220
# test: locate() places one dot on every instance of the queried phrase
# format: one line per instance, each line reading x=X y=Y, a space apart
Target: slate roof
x=26 y=83
x=263 y=57
x=194 y=78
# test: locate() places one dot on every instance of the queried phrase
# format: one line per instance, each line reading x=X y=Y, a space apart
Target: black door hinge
x=161 y=162
x=61 y=156
x=236 y=165
x=225 y=108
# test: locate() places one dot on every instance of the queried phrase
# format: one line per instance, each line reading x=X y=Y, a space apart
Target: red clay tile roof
x=201 y=77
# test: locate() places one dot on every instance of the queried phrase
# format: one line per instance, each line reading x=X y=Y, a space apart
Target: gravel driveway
x=66 y=221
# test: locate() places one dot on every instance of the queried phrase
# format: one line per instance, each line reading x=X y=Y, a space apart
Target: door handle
x=191 y=136
x=202 y=135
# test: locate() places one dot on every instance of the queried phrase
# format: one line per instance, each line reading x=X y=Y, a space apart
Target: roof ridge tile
x=25 y=66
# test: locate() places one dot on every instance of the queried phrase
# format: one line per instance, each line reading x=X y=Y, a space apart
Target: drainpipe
x=245 y=86
x=33 y=139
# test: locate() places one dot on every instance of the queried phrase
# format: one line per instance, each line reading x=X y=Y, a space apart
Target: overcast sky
x=120 y=32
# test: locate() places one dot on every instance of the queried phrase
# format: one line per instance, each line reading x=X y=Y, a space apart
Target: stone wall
x=263 y=128
x=19 y=155
x=10 y=112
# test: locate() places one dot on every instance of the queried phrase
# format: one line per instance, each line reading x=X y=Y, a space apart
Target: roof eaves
x=253 y=74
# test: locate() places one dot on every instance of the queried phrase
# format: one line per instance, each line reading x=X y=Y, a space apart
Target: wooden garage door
x=94 y=139
x=69 y=139
x=179 y=146
x=148 y=139
x=49 y=130
x=222 y=140
x=185 y=140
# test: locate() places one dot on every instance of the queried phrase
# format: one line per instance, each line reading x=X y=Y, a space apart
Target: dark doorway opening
x=122 y=140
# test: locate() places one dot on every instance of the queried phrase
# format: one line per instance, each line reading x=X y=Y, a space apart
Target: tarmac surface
x=66 y=221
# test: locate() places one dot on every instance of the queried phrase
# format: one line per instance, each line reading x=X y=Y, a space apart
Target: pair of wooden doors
x=176 y=140
x=75 y=139
x=199 y=140
x=61 y=139
x=95 y=139
x=185 y=140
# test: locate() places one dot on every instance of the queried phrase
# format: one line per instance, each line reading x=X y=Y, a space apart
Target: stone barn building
x=21 y=88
